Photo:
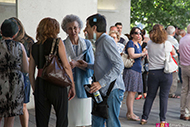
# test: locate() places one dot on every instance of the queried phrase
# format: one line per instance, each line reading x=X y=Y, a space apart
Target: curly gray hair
x=70 y=18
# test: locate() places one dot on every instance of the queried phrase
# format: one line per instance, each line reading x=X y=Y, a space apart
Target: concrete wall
x=116 y=11
x=7 y=10
x=30 y=12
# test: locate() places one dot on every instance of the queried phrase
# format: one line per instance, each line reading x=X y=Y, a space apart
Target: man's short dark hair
x=118 y=23
x=99 y=21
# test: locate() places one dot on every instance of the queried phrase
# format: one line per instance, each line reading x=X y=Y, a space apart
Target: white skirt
x=79 y=112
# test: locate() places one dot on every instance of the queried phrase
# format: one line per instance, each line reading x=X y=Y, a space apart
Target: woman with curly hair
x=47 y=94
x=157 y=48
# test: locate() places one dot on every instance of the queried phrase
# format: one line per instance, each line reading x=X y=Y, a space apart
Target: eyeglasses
x=137 y=33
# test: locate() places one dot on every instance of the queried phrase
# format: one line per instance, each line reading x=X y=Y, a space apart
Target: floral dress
x=11 y=79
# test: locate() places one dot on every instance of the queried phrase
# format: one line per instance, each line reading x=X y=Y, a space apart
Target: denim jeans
x=114 y=101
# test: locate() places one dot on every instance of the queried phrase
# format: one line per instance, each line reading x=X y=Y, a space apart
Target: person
x=123 y=39
x=46 y=93
x=0 y=36
x=184 y=50
x=157 y=48
x=79 y=112
x=171 y=32
x=177 y=35
x=113 y=28
x=27 y=41
x=104 y=72
x=132 y=76
x=13 y=60
x=116 y=37
x=144 y=64
x=182 y=33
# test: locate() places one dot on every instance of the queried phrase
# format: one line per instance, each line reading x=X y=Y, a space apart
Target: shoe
x=129 y=117
x=182 y=116
x=186 y=118
x=143 y=122
x=173 y=96
x=145 y=94
x=139 y=97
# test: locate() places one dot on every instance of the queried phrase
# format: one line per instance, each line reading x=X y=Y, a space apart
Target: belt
x=39 y=72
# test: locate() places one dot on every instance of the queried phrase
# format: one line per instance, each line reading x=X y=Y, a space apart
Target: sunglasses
x=137 y=33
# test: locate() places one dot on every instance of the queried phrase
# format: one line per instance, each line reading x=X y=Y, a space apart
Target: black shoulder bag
x=101 y=109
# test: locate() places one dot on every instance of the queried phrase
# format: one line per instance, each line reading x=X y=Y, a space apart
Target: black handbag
x=101 y=109
x=53 y=71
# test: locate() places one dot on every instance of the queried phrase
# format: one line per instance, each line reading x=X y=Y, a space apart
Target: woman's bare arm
x=25 y=63
x=32 y=68
x=133 y=55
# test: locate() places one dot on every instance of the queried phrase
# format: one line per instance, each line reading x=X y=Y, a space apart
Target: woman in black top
x=47 y=94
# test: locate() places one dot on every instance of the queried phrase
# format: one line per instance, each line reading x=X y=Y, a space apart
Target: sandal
x=174 y=96
x=129 y=117
x=143 y=122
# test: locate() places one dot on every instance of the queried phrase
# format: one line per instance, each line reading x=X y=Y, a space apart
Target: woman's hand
x=73 y=64
x=71 y=93
x=82 y=63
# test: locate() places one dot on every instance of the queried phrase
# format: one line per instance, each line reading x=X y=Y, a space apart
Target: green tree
x=165 y=12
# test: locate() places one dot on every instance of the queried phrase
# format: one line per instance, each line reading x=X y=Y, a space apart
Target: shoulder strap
x=57 y=44
x=53 y=45
x=110 y=88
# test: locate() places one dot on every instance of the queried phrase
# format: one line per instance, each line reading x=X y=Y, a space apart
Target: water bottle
x=96 y=94
x=98 y=97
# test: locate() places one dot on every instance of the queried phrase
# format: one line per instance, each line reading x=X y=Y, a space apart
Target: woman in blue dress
x=132 y=76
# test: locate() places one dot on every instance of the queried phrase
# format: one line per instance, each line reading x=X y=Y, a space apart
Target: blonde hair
x=115 y=32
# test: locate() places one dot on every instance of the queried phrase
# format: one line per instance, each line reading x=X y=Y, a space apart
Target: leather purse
x=53 y=71
x=127 y=61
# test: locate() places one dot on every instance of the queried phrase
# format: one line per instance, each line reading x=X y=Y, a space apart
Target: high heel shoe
x=143 y=122
x=144 y=94
x=138 y=97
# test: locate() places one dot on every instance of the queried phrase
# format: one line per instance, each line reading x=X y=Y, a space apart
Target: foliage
x=165 y=12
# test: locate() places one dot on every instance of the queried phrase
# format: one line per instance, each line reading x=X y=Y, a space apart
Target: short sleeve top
x=137 y=65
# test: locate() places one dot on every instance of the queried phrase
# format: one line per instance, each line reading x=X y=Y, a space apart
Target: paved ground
x=172 y=114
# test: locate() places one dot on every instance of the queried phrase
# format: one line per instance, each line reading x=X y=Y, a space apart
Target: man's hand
x=95 y=86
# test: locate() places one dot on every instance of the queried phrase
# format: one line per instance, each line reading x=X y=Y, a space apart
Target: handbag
x=101 y=109
x=170 y=66
x=53 y=71
x=127 y=61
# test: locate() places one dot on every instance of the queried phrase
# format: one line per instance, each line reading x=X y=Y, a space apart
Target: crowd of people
x=98 y=55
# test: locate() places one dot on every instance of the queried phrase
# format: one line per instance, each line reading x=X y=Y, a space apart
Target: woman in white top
x=157 y=48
